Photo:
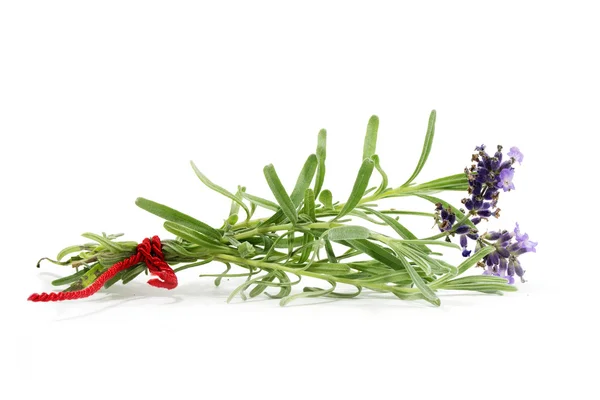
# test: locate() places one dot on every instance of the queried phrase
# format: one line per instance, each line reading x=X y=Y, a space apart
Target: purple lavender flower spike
x=523 y=240
x=486 y=176
x=516 y=154
x=506 y=177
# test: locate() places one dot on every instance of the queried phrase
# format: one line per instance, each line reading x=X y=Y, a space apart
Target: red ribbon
x=149 y=252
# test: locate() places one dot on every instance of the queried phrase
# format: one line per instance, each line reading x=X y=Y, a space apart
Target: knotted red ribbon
x=149 y=252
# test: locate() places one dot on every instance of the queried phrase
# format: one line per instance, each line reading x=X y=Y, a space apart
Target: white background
x=101 y=102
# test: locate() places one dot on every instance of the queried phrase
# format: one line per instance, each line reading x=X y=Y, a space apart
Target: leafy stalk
x=303 y=238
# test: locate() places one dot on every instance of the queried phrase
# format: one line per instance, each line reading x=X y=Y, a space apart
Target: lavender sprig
x=306 y=234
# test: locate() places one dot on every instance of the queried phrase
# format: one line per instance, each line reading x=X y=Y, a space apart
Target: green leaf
x=393 y=223
x=371 y=137
x=376 y=252
x=326 y=198
x=304 y=180
x=220 y=190
x=428 y=294
x=348 y=232
x=108 y=244
x=309 y=204
x=192 y=236
x=285 y=285
x=284 y=201
x=314 y=293
x=177 y=217
x=474 y=259
x=261 y=286
x=71 y=249
x=264 y=203
x=132 y=273
x=426 y=148
x=457 y=180
x=384 y=178
x=329 y=250
x=360 y=185
x=431 y=242
x=321 y=155
x=302 y=183
x=195 y=264
x=234 y=210
x=246 y=250
x=71 y=278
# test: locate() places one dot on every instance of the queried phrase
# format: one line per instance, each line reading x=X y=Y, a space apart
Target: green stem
x=267 y=265
x=284 y=227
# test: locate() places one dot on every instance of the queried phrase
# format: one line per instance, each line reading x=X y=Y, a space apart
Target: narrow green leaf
x=177 y=217
x=304 y=179
x=71 y=249
x=426 y=148
x=315 y=293
x=326 y=198
x=321 y=155
x=371 y=137
x=240 y=289
x=192 y=236
x=302 y=183
x=227 y=269
x=393 y=223
x=329 y=250
x=195 y=264
x=109 y=244
x=384 y=178
x=261 y=286
x=431 y=242
x=219 y=189
x=309 y=204
x=264 y=203
x=306 y=248
x=376 y=252
x=285 y=285
x=234 y=210
x=360 y=185
x=474 y=259
x=132 y=273
x=457 y=180
x=428 y=294
x=424 y=263
x=348 y=232
x=284 y=201
x=70 y=279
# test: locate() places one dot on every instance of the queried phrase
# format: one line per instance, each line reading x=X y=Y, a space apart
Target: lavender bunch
x=306 y=234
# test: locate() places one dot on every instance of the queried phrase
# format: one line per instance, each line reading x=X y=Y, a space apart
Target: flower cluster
x=509 y=246
x=487 y=176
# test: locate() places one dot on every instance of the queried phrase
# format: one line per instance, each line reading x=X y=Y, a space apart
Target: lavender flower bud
x=495 y=258
x=469 y=204
x=493 y=235
x=462 y=229
x=484 y=213
x=503 y=252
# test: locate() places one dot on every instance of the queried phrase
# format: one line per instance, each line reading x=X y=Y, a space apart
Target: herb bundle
x=309 y=235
